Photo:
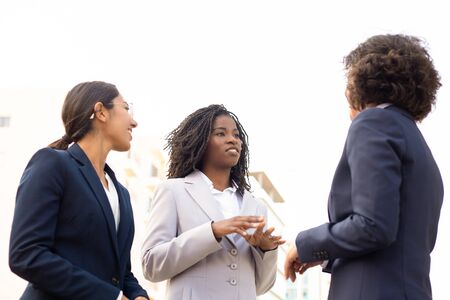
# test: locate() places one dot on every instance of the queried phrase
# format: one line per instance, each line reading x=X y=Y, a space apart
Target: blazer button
x=234 y=252
x=233 y=281
x=233 y=266
x=115 y=281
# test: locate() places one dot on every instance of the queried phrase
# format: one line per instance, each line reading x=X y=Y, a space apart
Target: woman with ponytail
x=73 y=224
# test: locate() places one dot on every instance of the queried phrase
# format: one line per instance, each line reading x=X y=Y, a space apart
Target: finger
x=269 y=231
x=250 y=219
x=287 y=264
x=246 y=225
x=292 y=275
x=259 y=229
x=275 y=238
x=241 y=232
x=296 y=266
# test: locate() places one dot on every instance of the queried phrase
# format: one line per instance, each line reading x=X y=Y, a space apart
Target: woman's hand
x=264 y=240
x=237 y=225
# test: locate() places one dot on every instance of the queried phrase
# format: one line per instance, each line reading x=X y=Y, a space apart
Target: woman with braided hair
x=73 y=223
x=199 y=238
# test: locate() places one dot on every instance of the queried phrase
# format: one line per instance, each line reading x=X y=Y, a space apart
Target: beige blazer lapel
x=200 y=192
x=249 y=205
x=249 y=208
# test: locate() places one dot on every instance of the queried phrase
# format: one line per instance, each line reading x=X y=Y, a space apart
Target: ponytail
x=62 y=144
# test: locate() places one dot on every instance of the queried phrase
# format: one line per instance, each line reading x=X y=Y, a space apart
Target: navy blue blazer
x=63 y=237
x=383 y=208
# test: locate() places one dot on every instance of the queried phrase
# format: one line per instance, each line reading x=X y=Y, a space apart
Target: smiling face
x=224 y=145
x=120 y=125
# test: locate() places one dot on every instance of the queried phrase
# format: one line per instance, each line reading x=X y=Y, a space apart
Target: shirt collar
x=208 y=181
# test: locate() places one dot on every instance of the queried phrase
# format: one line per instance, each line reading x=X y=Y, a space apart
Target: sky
x=276 y=64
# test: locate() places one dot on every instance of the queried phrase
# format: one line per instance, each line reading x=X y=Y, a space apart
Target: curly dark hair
x=187 y=145
x=393 y=69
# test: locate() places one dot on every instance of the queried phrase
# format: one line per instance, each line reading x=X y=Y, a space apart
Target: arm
x=33 y=235
x=132 y=289
x=374 y=149
x=165 y=253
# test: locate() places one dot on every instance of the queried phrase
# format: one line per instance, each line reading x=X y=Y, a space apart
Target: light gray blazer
x=180 y=246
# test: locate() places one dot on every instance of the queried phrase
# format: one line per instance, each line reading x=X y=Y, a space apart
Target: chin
x=122 y=148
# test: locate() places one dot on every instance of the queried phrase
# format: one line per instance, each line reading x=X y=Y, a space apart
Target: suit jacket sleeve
x=265 y=264
x=132 y=289
x=165 y=253
x=32 y=235
x=373 y=151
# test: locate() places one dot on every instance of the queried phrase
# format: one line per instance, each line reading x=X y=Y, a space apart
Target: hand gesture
x=237 y=225
x=264 y=240
x=292 y=264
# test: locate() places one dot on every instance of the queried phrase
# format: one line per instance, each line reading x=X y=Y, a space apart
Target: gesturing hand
x=237 y=225
x=292 y=264
x=264 y=240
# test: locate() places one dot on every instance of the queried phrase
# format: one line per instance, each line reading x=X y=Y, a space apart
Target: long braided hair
x=188 y=142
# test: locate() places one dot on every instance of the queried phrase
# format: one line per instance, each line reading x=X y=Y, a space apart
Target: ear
x=100 y=111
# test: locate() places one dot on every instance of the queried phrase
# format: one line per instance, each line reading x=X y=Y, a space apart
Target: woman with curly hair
x=387 y=191
x=199 y=237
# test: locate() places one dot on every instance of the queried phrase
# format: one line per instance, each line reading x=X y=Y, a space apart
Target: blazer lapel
x=200 y=192
x=125 y=213
x=249 y=206
x=96 y=186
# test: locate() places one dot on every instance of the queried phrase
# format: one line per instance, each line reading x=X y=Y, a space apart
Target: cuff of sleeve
x=120 y=295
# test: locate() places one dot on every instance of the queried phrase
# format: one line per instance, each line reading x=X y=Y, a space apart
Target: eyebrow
x=223 y=128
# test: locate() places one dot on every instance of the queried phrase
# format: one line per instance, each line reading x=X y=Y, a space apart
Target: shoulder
x=48 y=158
x=378 y=121
x=171 y=183
x=378 y=116
x=47 y=166
x=172 y=186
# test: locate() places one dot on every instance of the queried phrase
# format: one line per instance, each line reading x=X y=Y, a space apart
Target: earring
x=93 y=115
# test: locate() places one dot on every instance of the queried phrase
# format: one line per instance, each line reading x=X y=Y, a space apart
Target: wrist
x=267 y=250
x=214 y=231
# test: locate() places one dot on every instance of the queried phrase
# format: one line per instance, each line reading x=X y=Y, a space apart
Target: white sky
x=276 y=64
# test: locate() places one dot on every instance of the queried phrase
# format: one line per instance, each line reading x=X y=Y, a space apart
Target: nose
x=233 y=139
x=134 y=124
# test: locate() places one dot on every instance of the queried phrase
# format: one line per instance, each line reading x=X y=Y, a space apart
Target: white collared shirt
x=230 y=201
x=113 y=198
x=383 y=105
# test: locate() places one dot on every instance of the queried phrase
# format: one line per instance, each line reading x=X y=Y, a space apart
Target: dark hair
x=187 y=145
x=78 y=108
x=393 y=69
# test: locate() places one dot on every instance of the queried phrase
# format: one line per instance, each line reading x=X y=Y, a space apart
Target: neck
x=219 y=177
x=96 y=150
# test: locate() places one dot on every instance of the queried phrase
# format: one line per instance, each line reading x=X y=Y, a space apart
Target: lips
x=232 y=150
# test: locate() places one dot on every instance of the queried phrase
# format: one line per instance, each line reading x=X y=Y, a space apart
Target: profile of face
x=119 y=125
x=224 y=144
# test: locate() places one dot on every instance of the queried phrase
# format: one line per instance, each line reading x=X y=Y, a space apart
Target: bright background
x=276 y=64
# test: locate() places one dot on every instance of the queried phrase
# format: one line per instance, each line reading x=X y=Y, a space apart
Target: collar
x=383 y=105
x=208 y=181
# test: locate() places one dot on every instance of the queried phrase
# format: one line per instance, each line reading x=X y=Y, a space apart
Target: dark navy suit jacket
x=384 y=209
x=63 y=237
